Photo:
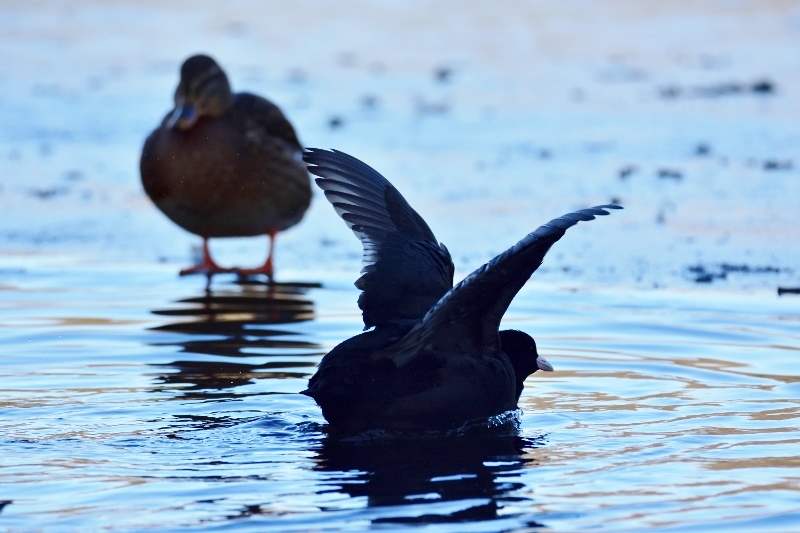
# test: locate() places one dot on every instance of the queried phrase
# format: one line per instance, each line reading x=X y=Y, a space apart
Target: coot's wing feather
x=406 y=271
x=467 y=318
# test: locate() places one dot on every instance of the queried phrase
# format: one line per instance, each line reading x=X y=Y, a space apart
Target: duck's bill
x=184 y=116
x=544 y=364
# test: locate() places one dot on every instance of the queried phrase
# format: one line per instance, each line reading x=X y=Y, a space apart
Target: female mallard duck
x=435 y=358
x=225 y=164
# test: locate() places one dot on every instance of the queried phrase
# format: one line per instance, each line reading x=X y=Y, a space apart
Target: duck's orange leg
x=267 y=268
x=206 y=265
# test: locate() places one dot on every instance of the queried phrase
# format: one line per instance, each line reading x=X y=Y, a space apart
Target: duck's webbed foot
x=206 y=266
x=267 y=269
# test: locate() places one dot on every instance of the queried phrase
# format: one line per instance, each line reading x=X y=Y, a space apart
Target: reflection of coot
x=434 y=473
x=237 y=324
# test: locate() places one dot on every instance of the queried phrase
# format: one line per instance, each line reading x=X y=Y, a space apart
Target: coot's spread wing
x=406 y=271
x=467 y=318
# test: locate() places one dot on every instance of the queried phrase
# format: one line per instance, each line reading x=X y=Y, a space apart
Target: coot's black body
x=357 y=392
x=435 y=358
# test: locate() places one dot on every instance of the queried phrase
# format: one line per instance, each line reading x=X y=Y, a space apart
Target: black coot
x=435 y=357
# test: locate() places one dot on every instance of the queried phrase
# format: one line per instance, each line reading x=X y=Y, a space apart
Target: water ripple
x=181 y=412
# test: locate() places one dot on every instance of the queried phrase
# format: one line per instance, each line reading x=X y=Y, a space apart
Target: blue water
x=133 y=400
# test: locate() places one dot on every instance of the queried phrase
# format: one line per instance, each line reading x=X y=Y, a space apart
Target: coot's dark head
x=203 y=91
x=521 y=350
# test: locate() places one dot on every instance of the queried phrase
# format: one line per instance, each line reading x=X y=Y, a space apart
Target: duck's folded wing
x=406 y=271
x=262 y=117
x=467 y=318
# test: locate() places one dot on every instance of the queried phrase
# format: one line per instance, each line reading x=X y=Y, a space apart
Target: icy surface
x=490 y=117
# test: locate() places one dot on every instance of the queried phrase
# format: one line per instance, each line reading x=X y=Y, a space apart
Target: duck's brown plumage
x=234 y=169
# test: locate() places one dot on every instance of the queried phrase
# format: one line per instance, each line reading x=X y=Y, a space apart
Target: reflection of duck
x=224 y=164
x=453 y=479
x=238 y=325
x=435 y=357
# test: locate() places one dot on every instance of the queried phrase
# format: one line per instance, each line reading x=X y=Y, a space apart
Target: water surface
x=133 y=400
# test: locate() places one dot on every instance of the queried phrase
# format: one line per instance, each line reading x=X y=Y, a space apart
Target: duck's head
x=521 y=350
x=203 y=91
